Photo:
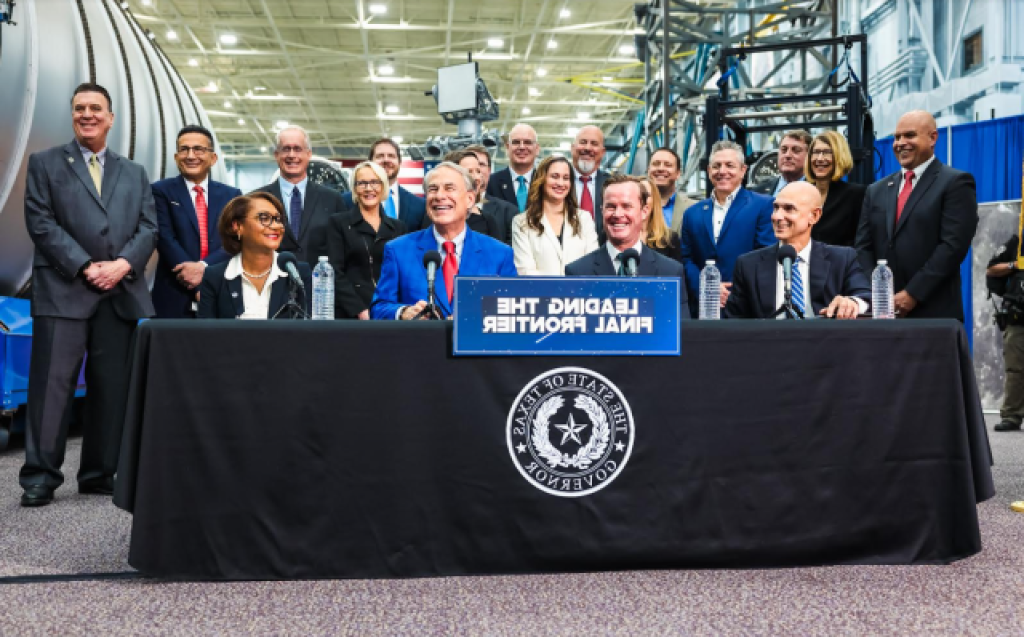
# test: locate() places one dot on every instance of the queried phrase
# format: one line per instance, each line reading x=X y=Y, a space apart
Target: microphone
x=286 y=261
x=630 y=258
x=786 y=257
x=431 y=261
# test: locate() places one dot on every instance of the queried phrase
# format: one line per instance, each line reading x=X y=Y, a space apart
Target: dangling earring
x=239 y=236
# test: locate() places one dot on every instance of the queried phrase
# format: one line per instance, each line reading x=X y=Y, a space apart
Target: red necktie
x=450 y=268
x=201 y=215
x=908 y=187
x=585 y=201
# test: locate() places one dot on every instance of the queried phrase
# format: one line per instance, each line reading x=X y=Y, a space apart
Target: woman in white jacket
x=552 y=232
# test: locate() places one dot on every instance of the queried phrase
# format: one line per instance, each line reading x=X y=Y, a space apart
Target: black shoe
x=1007 y=425
x=103 y=486
x=37 y=495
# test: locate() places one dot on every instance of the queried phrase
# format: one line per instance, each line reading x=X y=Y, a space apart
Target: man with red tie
x=587 y=153
x=402 y=289
x=188 y=207
x=922 y=220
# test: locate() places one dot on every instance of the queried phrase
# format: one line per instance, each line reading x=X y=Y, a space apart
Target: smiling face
x=823 y=161
x=91 y=119
x=386 y=156
x=792 y=155
x=796 y=209
x=194 y=164
x=913 y=142
x=726 y=171
x=263 y=227
x=522 y=148
x=293 y=155
x=588 y=149
x=557 y=181
x=484 y=161
x=448 y=200
x=625 y=214
x=664 y=170
x=369 y=189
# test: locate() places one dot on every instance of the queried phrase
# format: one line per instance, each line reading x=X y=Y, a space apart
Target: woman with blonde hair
x=552 y=232
x=657 y=235
x=828 y=161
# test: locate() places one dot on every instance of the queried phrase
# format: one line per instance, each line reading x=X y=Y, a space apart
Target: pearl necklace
x=258 y=276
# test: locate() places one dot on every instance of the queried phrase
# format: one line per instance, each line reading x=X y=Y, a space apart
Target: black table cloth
x=265 y=450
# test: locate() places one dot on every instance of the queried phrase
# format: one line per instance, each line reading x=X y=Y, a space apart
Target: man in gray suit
x=90 y=214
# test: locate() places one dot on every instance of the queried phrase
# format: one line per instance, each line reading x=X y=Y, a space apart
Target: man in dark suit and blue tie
x=827 y=280
x=733 y=221
x=90 y=214
x=402 y=290
x=187 y=209
x=400 y=203
x=626 y=208
x=922 y=221
x=308 y=206
x=512 y=184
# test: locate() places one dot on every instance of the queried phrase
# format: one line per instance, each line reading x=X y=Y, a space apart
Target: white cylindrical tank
x=54 y=46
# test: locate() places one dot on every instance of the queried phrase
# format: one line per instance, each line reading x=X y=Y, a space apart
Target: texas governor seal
x=570 y=432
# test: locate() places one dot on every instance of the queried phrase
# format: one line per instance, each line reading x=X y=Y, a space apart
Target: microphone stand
x=432 y=312
x=787 y=308
x=294 y=309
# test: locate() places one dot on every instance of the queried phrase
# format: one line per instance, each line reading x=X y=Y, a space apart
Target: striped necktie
x=96 y=173
x=797 y=287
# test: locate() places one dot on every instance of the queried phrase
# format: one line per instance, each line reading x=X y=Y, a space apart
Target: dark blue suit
x=403 y=279
x=833 y=271
x=178 y=239
x=599 y=263
x=411 y=209
x=747 y=226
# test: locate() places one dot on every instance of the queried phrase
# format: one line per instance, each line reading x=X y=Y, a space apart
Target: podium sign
x=606 y=316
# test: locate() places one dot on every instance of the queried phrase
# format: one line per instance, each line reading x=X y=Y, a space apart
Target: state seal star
x=619 y=446
x=521 y=448
x=570 y=430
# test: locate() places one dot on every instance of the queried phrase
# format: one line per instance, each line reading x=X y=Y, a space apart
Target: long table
x=267 y=450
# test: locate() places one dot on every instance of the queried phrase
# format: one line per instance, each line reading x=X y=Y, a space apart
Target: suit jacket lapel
x=278 y=295
x=818 y=274
x=308 y=207
x=81 y=170
x=767 y=276
x=735 y=209
x=111 y=171
x=892 y=194
x=603 y=265
x=648 y=262
x=549 y=235
x=918 y=192
x=599 y=201
x=235 y=288
x=426 y=243
x=184 y=199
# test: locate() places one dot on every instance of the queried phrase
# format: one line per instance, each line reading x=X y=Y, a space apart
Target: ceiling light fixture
x=552 y=44
x=230 y=39
x=564 y=13
x=172 y=35
x=534 y=92
x=378 y=9
x=227 y=104
x=193 y=62
x=565 y=146
x=263 y=149
x=526 y=110
x=542 y=72
x=386 y=69
x=627 y=49
x=495 y=43
x=398 y=139
x=241 y=122
x=212 y=87
x=391 y=109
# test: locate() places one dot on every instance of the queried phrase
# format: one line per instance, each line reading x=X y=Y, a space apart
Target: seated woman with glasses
x=657 y=235
x=477 y=219
x=250 y=285
x=356 y=240
x=828 y=161
x=552 y=233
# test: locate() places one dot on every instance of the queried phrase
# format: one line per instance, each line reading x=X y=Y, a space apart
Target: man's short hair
x=615 y=179
x=800 y=135
x=479 y=149
x=305 y=136
x=470 y=182
x=456 y=156
x=91 y=87
x=195 y=128
x=385 y=140
x=666 y=149
x=728 y=144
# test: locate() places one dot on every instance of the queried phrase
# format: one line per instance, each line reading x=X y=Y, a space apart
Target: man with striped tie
x=827 y=280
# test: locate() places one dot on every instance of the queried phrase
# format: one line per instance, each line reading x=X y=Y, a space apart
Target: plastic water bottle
x=710 y=288
x=881 y=291
x=323 y=291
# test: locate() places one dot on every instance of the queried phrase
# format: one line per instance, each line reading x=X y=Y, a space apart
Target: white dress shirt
x=515 y=179
x=803 y=264
x=256 y=303
x=614 y=252
x=591 y=186
x=917 y=173
x=204 y=184
x=721 y=209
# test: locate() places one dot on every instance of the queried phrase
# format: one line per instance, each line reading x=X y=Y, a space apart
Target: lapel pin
x=175 y=203
x=71 y=160
x=234 y=295
x=892 y=183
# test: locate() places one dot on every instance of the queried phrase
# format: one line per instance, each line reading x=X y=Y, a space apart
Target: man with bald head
x=587 y=153
x=827 y=280
x=512 y=184
x=922 y=221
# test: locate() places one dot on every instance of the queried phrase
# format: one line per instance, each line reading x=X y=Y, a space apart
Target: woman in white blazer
x=552 y=232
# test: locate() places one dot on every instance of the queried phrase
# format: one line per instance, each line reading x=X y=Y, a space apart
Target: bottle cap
x=880 y=262
x=322 y=259
x=709 y=262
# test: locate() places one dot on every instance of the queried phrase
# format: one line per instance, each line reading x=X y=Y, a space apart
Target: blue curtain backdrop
x=992 y=151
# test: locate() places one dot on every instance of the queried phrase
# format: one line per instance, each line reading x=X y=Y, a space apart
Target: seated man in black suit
x=830 y=276
x=626 y=208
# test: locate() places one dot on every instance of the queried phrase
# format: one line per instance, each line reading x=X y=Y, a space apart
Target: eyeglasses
x=526 y=143
x=288 y=150
x=266 y=219
x=823 y=152
x=198 y=151
x=373 y=183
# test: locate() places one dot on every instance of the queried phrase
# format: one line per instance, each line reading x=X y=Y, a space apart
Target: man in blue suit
x=827 y=280
x=733 y=221
x=187 y=209
x=400 y=203
x=402 y=289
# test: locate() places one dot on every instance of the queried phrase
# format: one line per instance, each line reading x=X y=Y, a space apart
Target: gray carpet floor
x=983 y=595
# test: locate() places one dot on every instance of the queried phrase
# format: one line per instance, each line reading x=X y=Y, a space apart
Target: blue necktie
x=798 y=287
x=295 y=211
x=389 y=205
x=521 y=193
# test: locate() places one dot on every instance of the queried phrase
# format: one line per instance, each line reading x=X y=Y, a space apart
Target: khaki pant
x=1013 y=360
